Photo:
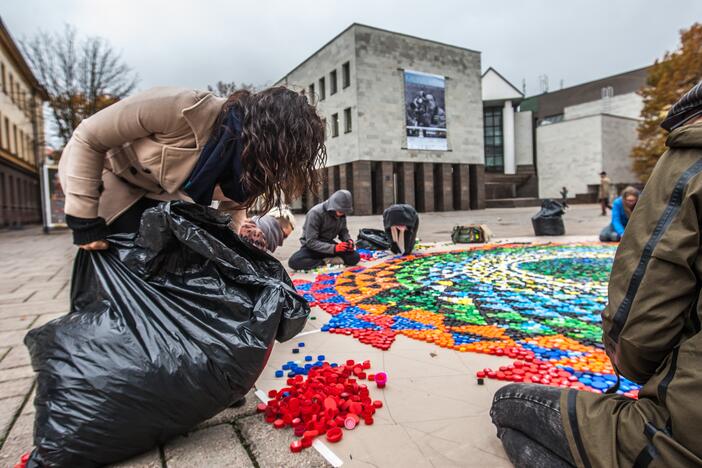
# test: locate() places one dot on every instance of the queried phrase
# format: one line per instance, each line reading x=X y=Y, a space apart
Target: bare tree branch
x=225 y=88
x=82 y=76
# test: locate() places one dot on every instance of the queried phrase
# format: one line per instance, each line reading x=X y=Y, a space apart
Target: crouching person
x=268 y=232
x=651 y=333
x=325 y=223
x=401 y=224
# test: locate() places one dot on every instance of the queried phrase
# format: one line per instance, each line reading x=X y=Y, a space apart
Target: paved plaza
x=434 y=414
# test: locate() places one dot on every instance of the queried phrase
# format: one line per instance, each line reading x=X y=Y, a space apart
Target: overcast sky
x=195 y=43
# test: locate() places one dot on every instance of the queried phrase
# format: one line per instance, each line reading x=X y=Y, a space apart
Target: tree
x=81 y=76
x=224 y=89
x=668 y=79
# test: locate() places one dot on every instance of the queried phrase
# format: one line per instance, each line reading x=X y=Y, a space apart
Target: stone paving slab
x=18 y=441
x=15 y=357
x=230 y=415
x=271 y=447
x=150 y=459
x=18 y=387
x=22 y=322
x=15 y=373
x=8 y=412
x=213 y=446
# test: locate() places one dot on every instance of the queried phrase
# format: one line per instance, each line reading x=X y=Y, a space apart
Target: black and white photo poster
x=425 y=111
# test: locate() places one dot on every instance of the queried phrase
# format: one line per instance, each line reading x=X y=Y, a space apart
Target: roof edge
x=375 y=29
x=503 y=79
x=22 y=64
x=591 y=81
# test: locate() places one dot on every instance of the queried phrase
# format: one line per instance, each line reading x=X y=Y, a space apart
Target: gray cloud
x=195 y=43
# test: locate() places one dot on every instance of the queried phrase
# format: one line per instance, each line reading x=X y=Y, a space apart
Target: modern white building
x=583 y=130
x=510 y=176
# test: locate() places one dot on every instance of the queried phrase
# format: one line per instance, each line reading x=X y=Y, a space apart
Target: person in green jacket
x=651 y=333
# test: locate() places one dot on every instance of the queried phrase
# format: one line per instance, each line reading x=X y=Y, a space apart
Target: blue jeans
x=528 y=421
x=608 y=234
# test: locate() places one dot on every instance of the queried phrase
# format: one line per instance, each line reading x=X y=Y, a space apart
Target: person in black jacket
x=401 y=223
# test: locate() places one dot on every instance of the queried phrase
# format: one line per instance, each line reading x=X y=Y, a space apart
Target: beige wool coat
x=143 y=146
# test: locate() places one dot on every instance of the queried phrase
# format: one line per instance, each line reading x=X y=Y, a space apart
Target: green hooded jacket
x=651 y=327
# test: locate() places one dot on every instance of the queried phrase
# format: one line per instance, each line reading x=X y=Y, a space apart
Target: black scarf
x=219 y=163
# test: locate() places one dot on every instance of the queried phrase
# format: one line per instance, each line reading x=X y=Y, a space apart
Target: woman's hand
x=96 y=245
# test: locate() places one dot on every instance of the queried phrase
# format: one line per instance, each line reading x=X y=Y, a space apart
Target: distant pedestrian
x=603 y=192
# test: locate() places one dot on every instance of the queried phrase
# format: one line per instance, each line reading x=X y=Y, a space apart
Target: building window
x=332 y=82
x=346 y=75
x=7 y=134
x=494 y=156
x=14 y=139
x=12 y=88
x=347 y=120
x=322 y=89
x=4 y=78
x=20 y=146
x=312 y=97
x=335 y=125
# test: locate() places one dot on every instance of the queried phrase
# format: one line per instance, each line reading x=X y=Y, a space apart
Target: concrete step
x=512 y=202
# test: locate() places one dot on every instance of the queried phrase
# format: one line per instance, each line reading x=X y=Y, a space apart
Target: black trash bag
x=167 y=328
x=372 y=239
x=548 y=221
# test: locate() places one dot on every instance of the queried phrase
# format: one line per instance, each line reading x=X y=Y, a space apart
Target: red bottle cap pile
x=327 y=400
x=23 y=461
x=381 y=339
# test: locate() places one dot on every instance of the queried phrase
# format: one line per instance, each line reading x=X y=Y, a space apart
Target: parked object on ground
x=549 y=220
x=167 y=328
x=471 y=234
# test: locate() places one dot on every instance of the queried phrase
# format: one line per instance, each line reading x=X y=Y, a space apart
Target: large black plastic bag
x=548 y=221
x=167 y=328
x=372 y=239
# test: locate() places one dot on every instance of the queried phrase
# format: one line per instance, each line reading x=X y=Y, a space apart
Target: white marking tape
x=327 y=453
x=320 y=446
x=308 y=332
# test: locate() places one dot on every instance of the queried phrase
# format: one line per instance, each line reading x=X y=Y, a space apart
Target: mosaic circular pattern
x=540 y=304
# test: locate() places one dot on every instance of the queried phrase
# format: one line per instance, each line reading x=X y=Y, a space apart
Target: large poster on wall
x=54 y=198
x=425 y=111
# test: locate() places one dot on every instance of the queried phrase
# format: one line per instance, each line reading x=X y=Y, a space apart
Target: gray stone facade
x=369 y=156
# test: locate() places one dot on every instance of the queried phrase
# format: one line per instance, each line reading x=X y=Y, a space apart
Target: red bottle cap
x=334 y=434
x=296 y=446
x=351 y=421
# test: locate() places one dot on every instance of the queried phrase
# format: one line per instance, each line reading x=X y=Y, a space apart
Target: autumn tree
x=225 y=88
x=81 y=76
x=668 y=79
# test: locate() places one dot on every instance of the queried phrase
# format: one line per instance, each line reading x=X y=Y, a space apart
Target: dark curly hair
x=283 y=145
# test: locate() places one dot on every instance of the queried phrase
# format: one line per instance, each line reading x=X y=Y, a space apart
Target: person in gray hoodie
x=324 y=223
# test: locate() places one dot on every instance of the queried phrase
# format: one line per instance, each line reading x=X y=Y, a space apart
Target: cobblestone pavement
x=35 y=272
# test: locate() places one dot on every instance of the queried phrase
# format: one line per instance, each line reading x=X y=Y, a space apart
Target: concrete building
x=21 y=136
x=510 y=174
x=585 y=129
x=405 y=120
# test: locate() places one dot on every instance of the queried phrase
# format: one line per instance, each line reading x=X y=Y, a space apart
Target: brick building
x=405 y=120
x=21 y=136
